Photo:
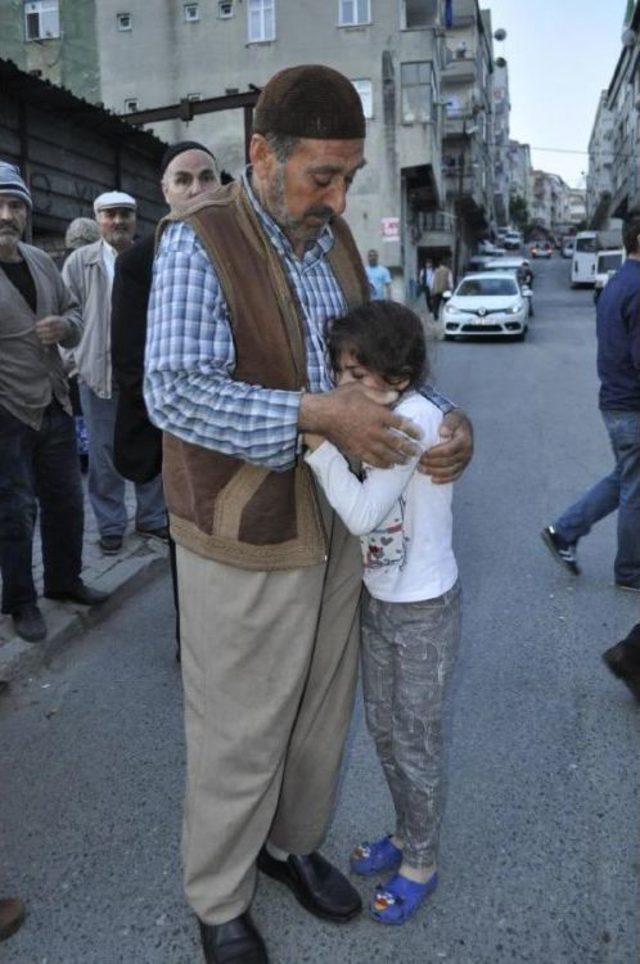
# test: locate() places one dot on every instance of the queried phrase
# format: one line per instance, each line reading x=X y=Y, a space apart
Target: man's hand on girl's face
x=358 y=422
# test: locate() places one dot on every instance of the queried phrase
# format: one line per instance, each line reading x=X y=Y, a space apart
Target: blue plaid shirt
x=190 y=357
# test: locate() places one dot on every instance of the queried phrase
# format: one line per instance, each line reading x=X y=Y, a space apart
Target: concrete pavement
x=539 y=858
x=140 y=560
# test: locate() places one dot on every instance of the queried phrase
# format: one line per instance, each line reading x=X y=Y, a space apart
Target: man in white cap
x=38 y=461
x=88 y=273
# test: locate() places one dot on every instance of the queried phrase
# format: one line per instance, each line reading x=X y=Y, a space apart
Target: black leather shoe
x=315 y=883
x=29 y=624
x=111 y=545
x=236 y=942
x=623 y=660
x=78 y=593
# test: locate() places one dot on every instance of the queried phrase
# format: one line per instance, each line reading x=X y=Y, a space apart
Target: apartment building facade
x=53 y=40
x=501 y=165
x=392 y=51
x=520 y=172
x=426 y=88
x=613 y=182
x=601 y=158
x=468 y=134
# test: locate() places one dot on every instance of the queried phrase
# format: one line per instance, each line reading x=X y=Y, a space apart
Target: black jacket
x=137 y=443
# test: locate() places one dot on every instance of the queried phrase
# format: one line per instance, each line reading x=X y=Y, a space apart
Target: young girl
x=411 y=604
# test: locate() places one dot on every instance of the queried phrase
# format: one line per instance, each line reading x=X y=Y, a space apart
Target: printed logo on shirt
x=387 y=546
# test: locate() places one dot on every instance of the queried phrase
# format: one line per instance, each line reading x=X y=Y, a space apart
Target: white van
x=583 y=262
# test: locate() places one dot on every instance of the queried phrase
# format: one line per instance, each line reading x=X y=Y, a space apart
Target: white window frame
x=354 y=5
x=221 y=14
x=131 y=105
x=194 y=97
x=188 y=7
x=364 y=88
x=430 y=85
x=266 y=10
x=120 y=20
x=48 y=14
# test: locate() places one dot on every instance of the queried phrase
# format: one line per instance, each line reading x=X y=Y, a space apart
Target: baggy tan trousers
x=269 y=663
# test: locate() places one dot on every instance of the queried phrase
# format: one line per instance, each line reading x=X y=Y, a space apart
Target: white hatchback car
x=488 y=303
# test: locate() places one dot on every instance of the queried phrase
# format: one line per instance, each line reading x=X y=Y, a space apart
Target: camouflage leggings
x=409 y=650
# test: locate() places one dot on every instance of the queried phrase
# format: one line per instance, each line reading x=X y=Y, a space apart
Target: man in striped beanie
x=38 y=462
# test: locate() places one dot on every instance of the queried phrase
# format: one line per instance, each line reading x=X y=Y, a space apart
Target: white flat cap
x=113 y=199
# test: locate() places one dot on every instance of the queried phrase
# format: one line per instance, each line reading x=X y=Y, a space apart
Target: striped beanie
x=11 y=183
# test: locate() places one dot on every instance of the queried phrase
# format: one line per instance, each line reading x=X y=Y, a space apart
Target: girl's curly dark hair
x=383 y=336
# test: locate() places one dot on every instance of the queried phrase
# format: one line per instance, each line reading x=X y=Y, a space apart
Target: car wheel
x=523 y=334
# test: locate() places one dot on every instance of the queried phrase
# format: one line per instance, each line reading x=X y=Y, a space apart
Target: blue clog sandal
x=369 y=859
x=398 y=900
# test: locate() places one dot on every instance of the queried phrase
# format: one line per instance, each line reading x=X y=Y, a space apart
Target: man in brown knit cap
x=269 y=577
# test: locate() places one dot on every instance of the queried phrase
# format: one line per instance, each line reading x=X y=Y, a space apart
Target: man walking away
x=38 y=460
x=425 y=280
x=442 y=281
x=88 y=273
x=618 y=332
x=379 y=278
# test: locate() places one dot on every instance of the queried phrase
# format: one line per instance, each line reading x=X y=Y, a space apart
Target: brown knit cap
x=310 y=101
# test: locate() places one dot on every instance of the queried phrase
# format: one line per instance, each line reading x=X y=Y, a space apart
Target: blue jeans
x=106 y=485
x=39 y=468
x=620 y=490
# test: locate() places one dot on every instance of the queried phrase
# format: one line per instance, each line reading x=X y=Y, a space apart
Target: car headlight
x=515 y=309
x=448 y=311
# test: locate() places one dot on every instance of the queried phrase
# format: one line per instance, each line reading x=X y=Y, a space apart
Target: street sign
x=390 y=229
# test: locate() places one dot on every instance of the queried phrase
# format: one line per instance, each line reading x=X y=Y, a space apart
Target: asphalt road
x=539 y=857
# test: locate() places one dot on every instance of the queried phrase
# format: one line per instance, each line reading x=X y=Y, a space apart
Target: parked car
x=541 y=249
x=488 y=247
x=512 y=241
x=487 y=303
x=607 y=263
x=477 y=262
x=509 y=263
x=568 y=245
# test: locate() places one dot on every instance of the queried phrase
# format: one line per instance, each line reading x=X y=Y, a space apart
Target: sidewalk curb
x=68 y=621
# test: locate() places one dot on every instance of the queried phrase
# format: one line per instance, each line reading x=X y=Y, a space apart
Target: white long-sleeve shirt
x=403 y=518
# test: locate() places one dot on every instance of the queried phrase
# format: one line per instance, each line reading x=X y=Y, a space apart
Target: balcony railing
x=437 y=221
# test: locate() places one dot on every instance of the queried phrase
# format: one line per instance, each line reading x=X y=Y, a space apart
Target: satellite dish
x=501 y=62
x=628 y=38
x=500 y=34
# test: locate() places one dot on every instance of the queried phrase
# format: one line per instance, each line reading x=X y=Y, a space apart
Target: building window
x=261 y=21
x=354 y=12
x=191 y=12
x=420 y=13
x=124 y=21
x=225 y=9
x=194 y=97
x=131 y=105
x=417 y=92
x=42 y=20
x=365 y=92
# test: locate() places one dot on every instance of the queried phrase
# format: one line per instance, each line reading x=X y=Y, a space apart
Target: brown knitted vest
x=221 y=507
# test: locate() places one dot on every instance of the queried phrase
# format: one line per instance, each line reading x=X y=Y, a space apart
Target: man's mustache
x=324 y=213
x=9 y=225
